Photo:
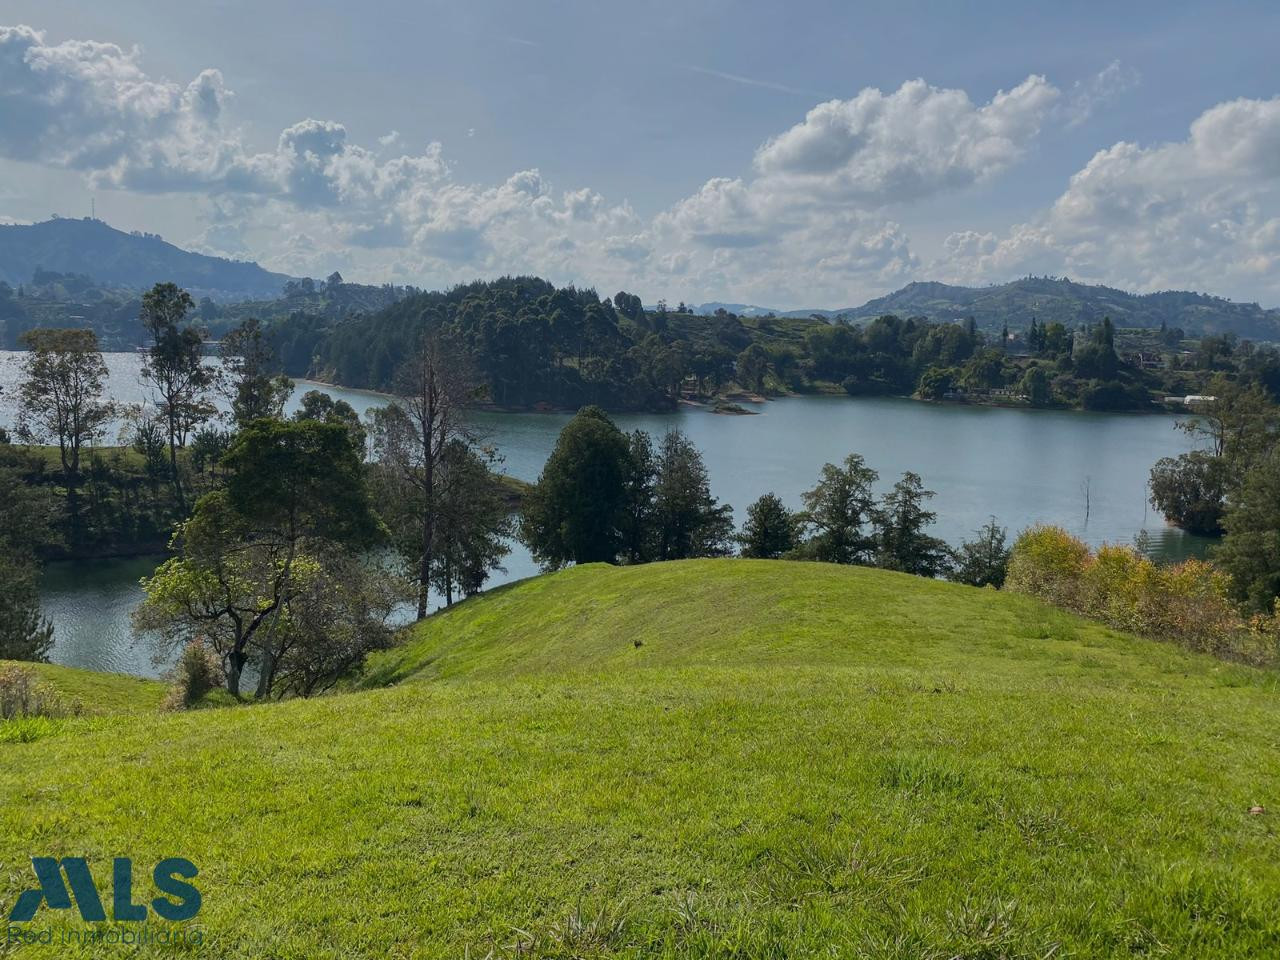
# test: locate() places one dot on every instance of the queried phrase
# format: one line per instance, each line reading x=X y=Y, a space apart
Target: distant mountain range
x=132 y=261
x=135 y=261
x=1048 y=300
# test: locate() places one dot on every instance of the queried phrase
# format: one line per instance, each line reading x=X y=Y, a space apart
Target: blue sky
x=800 y=154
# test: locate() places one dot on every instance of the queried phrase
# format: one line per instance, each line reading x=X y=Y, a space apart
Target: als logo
x=181 y=903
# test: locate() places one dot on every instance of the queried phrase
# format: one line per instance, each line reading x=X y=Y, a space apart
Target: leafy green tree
x=690 y=523
x=639 y=523
x=61 y=399
x=771 y=530
x=338 y=614
x=984 y=560
x=1250 y=551
x=27 y=525
x=1190 y=490
x=577 y=510
x=840 y=510
x=208 y=447
x=984 y=371
x=901 y=521
x=1241 y=425
x=24 y=633
x=473 y=526
x=176 y=369
x=291 y=483
x=1096 y=359
x=254 y=387
x=935 y=382
x=319 y=406
x=751 y=366
x=1034 y=385
x=295 y=494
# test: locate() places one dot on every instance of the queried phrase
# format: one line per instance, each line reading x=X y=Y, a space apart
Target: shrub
x=23 y=694
x=1187 y=603
x=1048 y=562
x=197 y=673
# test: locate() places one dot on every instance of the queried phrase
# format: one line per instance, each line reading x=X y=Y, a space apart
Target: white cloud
x=882 y=148
x=815 y=221
x=1087 y=95
x=1200 y=213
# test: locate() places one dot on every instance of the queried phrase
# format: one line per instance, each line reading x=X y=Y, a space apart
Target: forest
x=538 y=346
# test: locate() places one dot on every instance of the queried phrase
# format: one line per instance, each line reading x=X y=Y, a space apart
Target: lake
x=1086 y=472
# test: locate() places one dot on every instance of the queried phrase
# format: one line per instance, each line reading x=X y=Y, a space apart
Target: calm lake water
x=1022 y=466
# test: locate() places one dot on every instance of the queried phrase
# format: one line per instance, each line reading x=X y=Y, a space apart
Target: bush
x=1047 y=562
x=1187 y=603
x=23 y=694
x=197 y=673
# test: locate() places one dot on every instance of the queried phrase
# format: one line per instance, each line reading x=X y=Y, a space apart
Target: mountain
x=1050 y=299
x=134 y=261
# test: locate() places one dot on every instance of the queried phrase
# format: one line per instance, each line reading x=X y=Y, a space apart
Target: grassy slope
x=799 y=760
x=102 y=693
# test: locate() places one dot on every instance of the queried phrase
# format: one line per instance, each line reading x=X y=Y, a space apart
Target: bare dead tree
x=433 y=386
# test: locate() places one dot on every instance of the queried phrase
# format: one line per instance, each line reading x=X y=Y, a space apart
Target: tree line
x=612 y=497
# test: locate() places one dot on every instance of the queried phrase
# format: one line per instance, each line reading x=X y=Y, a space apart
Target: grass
x=713 y=758
x=101 y=693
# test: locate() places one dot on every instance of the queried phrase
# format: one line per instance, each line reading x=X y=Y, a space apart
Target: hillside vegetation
x=1059 y=300
x=118 y=259
x=706 y=758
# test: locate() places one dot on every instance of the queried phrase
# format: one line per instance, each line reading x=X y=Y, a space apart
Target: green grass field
x=718 y=758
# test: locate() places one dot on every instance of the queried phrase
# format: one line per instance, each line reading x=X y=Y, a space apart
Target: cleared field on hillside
x=711 y=758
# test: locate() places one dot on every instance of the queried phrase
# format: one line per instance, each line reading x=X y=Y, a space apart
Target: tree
x=984 y=371
x=295 y=494
x=983 y=561
x=901 y=521
x=751 y=366
x=1190 y=491
x=1240 y=423
x=576 y=511
x=27 y=515
x=432 y=386
x=338 y=612
x=935 y=382
x=689 y=521
x=639 y=525
x=176 y=369
x=1250 y=551
x=771 y=530
x=61 y=399
x=1034 y=385
x=473 y=526
x=291 y=483
x=319 y=406
x=254 y=389
x=840 y=509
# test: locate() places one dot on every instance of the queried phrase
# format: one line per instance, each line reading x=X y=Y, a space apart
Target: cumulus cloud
x=880 y=148
x=810 y=221
x=1203 y=212
x=813 y=221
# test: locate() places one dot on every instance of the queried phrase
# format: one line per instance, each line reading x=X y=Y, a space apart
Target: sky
x=806 y=154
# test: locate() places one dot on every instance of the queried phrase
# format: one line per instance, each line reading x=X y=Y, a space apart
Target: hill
x=131 y=261
x=1048 y=300
x=708 y=758
x=1051 y=299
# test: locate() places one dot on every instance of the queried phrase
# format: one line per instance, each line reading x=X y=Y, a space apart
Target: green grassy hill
x=711 y=758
